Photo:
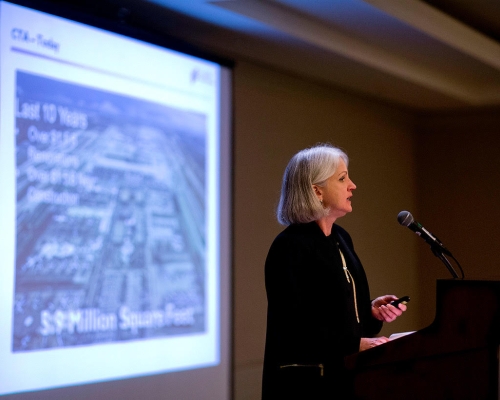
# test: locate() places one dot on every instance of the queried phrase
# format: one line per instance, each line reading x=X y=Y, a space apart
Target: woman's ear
x=318 y=192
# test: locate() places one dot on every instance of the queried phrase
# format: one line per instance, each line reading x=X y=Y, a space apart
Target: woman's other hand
x=368 y=343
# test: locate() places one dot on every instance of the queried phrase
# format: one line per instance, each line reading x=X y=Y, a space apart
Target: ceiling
x=422 y=55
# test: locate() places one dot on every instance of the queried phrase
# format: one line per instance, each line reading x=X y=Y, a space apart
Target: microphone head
x=405 y=218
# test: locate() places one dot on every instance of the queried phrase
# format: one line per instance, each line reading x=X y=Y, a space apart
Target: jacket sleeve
x=371 y=326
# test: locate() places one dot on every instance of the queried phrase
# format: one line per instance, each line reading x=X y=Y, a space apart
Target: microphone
x=406 y=219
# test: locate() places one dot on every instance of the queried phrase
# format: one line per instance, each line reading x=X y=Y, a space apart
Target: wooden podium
x=456 y=357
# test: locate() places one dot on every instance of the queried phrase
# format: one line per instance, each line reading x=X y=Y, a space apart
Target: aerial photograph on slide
x=110 y=217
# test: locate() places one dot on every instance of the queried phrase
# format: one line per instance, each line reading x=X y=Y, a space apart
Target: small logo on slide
x=199 y=75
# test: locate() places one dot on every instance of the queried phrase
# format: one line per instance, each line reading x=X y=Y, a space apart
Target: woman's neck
x=325 y=224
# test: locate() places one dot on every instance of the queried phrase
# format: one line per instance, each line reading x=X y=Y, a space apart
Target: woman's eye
x=342 y=179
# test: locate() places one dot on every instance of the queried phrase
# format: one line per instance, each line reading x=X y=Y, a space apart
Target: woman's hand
x=368 y=343
x=383 y=311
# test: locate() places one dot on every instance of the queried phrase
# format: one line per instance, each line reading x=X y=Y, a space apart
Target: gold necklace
x=350 y=279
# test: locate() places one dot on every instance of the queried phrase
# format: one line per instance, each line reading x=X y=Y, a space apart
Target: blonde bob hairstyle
x=313 y=166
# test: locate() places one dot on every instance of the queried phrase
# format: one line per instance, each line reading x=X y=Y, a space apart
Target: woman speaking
x=319 y=307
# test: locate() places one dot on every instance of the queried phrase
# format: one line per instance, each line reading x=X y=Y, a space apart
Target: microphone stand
x=439 y=254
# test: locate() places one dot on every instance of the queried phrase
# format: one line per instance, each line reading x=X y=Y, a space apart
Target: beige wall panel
x=459 y=196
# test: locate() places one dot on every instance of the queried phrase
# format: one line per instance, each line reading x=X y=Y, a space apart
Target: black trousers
x=308 y=383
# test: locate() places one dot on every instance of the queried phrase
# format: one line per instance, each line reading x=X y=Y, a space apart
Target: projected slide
x=110 y=221
x=110 y=210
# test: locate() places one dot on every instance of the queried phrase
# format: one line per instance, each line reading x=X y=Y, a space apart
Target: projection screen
x=114 y=215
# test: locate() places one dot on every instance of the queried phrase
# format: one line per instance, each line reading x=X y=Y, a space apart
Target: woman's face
x=336 y=193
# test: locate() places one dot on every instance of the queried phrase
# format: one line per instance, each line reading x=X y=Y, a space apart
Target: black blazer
x=311 y=321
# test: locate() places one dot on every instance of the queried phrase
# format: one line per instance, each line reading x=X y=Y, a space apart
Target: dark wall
x=458 y=195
